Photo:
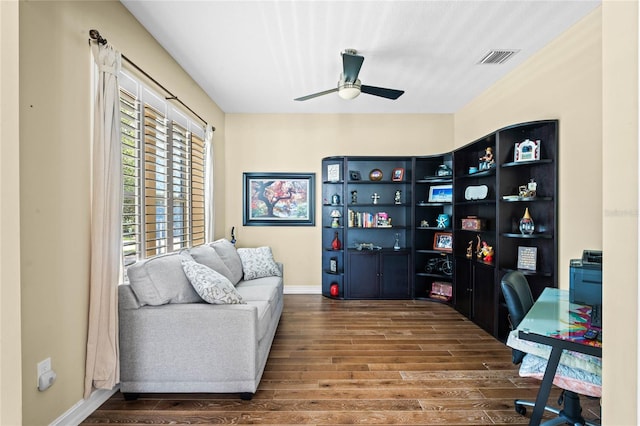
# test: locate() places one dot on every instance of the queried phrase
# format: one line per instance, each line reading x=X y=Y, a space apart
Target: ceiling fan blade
x=315 y=95
x=381 y=91
x=351 y=65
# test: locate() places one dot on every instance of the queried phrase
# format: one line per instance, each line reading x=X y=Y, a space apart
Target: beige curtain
x=208 y=185
x=102 y=367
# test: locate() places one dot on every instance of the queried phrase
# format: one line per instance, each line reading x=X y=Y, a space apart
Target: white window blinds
x=163 y=171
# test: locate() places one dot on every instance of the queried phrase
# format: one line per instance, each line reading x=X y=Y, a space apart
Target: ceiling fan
x=349 y=86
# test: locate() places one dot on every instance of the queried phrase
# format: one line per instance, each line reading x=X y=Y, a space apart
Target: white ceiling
x=257 y=56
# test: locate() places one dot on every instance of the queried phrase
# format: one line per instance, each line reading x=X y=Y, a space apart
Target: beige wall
x=55 y=135
x=620 y=211
x=297 y=143
x=10 y=330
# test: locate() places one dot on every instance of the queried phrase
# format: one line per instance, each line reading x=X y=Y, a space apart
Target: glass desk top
x=553 y=316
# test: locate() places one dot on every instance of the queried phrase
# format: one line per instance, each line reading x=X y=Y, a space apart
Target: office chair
x=518 y=297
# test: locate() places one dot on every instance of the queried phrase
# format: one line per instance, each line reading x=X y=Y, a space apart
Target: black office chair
x=518 y=297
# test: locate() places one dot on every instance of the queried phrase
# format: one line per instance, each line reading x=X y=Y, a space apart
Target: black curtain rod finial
x=95 y=35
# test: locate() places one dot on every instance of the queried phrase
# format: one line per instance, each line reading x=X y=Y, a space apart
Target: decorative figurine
x=443 y=220
x=396 y=244
x=335 y=199
x=479 y=248
x=424 y=223
x=487 y=161
x=470 y=250
x=443 y=170
x=354 y=197
x=397 y=197
x=375 y=197
x=487 y=252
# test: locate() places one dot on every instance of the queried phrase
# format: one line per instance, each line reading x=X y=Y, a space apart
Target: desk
x=555 y=322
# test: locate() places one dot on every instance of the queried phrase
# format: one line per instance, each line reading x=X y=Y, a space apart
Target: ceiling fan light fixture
x=349 y=90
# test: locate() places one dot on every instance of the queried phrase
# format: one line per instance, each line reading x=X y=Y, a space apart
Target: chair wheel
x=521 y=409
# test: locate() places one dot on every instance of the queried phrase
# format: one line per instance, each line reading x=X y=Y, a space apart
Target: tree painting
x=280 y=199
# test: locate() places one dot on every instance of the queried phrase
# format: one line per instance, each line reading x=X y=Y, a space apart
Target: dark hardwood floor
x=366 y=362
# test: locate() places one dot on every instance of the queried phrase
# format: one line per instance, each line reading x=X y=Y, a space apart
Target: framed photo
x=333 y=172
x=397 y=174
x=278 y=199
x=443 y=241
x=527 y=150
x=527 y=258
x=440 y=193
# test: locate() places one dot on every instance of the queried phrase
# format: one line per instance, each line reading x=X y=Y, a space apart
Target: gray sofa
x=171 y=340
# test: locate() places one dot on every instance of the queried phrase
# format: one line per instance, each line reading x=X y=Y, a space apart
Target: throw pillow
x=227 y=252
x=212 y=286
x=160 y=280
x=258 y=263
x=209 y=257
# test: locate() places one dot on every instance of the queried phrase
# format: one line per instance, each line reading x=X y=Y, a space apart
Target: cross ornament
x=375 y=198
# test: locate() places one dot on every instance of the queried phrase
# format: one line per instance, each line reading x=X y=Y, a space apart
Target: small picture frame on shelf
x=397 y=174
x=527 y=258
x=443 y=241
x=333 y=172
x=527 y=150
x=440 y=193
x=354 y=175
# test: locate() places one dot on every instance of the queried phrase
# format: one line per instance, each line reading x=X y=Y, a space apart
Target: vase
x=334 y=289
x=336 y=244
x=526 y=223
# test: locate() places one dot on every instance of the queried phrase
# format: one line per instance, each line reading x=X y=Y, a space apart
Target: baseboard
x=83 y=408
x=302 y=289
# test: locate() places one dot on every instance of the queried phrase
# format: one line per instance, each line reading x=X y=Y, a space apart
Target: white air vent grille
x=497 y=56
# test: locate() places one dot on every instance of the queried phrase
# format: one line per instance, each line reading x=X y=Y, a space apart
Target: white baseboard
x=302 y=289
x=83 y=408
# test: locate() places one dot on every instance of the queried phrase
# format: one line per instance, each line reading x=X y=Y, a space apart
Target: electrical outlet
x=44 y=367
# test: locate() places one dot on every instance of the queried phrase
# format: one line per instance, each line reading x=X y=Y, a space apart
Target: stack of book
x=368 y=220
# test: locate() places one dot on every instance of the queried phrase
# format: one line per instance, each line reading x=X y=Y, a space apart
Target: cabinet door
x=363 y=280
x=484 y=306
x=463 y=287
x=394 y=270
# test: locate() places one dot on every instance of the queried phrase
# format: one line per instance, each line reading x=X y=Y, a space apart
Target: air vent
x=497 y=56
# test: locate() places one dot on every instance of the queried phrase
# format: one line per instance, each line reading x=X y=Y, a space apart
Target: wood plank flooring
x=361 y=362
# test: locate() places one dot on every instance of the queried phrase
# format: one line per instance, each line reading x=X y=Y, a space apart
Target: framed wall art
x=440 y=193
x=278 y=199
x=397 y=174
x=443 y=241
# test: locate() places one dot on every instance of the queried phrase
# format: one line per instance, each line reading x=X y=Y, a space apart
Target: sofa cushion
x=258 y=263
x=161 y=280
x=212 y=286
x=227 y=252
x=208 y=256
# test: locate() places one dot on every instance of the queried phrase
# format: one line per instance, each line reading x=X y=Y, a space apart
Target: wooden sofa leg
x=128 y=396
x=246 y=396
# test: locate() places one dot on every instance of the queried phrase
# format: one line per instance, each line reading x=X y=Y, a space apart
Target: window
x=163 y=174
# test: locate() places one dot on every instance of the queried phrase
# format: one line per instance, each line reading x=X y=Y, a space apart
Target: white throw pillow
x=212 y=286
x=258 y=263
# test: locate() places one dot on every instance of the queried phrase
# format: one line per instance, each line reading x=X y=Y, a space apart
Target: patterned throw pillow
x=258 y=263
x=212 y=286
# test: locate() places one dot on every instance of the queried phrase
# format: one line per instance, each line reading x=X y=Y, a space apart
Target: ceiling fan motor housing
x=348 y=90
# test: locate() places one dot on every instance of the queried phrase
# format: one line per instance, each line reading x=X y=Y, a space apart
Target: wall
x=55 y=135
x=10 y=351
x=297 y=143
x=620 y=211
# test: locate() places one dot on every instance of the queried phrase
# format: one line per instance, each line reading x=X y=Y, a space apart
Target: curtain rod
x=95 y=35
